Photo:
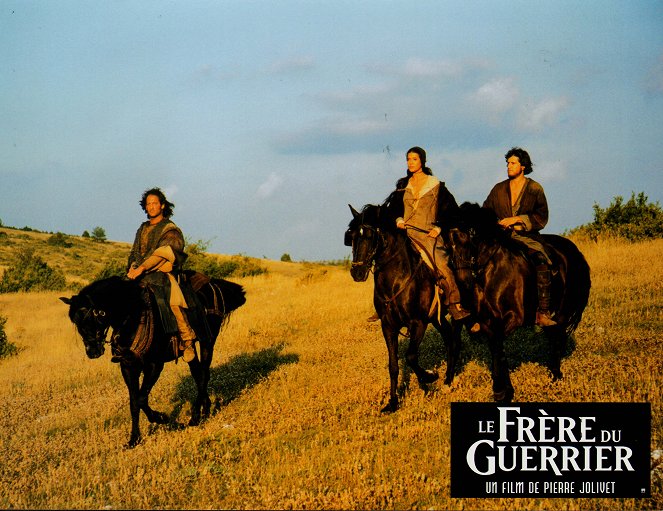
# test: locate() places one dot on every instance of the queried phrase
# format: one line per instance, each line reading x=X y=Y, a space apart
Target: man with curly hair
x=156 y=257
x=521 y=206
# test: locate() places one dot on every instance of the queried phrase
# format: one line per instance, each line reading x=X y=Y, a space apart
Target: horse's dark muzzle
x=360 y=273
x=94 y=351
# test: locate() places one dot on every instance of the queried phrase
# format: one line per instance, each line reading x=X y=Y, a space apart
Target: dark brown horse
x=403 y=293
x=122 y=305
x=499 y=280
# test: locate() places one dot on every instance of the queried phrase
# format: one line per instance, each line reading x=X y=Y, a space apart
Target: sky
x=263 y=120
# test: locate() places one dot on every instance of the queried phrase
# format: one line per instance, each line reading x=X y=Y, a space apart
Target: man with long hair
x=156 y=257
x=521 y=206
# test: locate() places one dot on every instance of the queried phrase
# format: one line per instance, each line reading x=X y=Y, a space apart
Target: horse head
x=91 y=322
x=363 y=235
x=100 y=305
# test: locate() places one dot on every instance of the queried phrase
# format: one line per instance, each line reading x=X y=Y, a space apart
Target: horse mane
x=484 y=223
x=112 y=291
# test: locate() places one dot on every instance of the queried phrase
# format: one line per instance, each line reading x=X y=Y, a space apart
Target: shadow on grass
x=526 y=344
x=229 y=380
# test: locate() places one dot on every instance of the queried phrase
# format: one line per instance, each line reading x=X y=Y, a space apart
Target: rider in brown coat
x=157 y=253
x=521 y=206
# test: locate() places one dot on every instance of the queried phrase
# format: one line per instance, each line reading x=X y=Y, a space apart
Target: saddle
x=143 y=337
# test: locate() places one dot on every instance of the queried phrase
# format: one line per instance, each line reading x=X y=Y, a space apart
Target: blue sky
x=262 y=120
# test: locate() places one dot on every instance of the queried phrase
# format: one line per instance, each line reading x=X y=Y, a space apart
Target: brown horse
x=404 y=291
x=121 y=305
x=498 y=279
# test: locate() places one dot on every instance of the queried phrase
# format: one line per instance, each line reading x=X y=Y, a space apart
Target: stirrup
x=543 y=319
x=458 y=312
x=122 y=355
x=188 y=351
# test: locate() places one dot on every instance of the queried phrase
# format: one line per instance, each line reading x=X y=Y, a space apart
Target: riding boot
x=447 y=282
x=188 y=350
x=543 y=290
x=187 y=334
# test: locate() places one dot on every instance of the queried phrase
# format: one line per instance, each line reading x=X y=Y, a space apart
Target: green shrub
x=286 y=258
x=6 y=348
x=237 y=266
x=634 y=220
x=59 y=240
x=113 y=268
x=31 y=273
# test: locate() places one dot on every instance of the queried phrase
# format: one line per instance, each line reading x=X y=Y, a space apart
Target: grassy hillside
x=80 y=262
x=298 y=379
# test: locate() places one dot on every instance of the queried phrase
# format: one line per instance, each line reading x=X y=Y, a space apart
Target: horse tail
x=231 y=295
x=580 y=289
x=578 y=281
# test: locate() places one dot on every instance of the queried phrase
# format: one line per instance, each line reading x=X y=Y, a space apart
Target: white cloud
x=267 y=188
x=170 y=191
x=300 y=63
x=496 y=96
x=421 y=68
x=549 y=171
x=542 y=114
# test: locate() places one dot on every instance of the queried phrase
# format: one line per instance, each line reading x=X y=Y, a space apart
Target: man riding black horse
x=157 y=257
x=521 y=207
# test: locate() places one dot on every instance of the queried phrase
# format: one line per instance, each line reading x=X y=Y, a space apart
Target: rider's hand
x=135 y=272
x=510 y=222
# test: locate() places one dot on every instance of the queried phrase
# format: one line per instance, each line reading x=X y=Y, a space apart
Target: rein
x=97 y=315
x=472 y=263
x=389 y=301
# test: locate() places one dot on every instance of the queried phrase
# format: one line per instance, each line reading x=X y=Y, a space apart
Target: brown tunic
x=531 y=206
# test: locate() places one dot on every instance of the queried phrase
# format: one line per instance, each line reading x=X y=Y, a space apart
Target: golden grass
x=298 y=379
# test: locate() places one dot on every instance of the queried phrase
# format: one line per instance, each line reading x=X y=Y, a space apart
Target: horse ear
x=66 y=300
x=355 y=213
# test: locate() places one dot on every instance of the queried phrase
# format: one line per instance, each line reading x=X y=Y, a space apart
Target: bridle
x=370 y=258
x=472 y=263
x=99 y=319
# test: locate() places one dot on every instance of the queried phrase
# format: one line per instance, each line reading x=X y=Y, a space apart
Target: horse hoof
x=133 y=442
x=428 y=377
x=160 y=418
x=505 y=396
x=390 y=408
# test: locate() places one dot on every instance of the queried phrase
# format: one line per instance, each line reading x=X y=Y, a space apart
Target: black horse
x=126 y=307
x=493 y=270
x=404 y=292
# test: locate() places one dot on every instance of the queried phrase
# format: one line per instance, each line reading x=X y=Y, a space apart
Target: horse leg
x=151 y=373
x=200 y=373
x=556 y=336
x=390 y=334
x=131 y=376
x=417 y=331
x=502 y=388
x=451 y=335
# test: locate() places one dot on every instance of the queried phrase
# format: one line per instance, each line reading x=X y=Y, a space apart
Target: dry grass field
x=297 y=382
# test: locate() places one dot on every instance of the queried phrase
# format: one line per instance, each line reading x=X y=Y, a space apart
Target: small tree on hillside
x=59 y=240
x=99 y=234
